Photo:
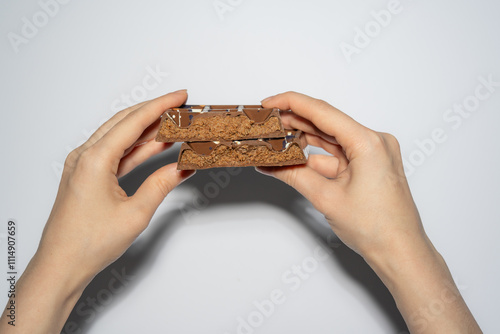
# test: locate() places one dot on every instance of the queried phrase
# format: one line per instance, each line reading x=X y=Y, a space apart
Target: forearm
x=45 y=295
x=423 y=288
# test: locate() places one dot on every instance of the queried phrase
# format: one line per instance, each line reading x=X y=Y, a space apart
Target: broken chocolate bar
x=285 y=151
x=211 y=123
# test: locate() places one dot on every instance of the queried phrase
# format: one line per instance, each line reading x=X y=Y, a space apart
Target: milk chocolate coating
x=220 y=122
x=255 y=152
x=277 y=144
x=184 y=116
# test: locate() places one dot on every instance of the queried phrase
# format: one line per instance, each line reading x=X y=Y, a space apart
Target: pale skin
x=360 y=188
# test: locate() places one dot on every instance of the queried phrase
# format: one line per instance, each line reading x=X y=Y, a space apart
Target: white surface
x=199 y=275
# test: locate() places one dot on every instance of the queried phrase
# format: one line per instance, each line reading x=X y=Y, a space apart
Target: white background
x=197 y=271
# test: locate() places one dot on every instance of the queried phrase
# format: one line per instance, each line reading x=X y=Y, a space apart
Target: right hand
x=361 y=188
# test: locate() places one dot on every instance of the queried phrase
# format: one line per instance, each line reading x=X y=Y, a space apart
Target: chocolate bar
x=285 y=151
x=212 y=123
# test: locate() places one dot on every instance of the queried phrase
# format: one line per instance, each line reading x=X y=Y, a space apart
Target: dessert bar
x=288 y=150
x=218 y=122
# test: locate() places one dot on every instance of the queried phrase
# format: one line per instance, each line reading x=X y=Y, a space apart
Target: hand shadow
x=115 y=282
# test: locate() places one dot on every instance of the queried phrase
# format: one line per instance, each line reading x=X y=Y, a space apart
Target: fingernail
x=266 y=99
x=186 y=174
x=180 y=90
x=265 y=171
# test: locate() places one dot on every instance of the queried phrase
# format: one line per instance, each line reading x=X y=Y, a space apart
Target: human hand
x=362 y=190
x=93 y=220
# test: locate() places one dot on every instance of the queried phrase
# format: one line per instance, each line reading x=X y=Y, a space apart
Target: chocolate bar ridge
x=209 y=123
x=288 y=150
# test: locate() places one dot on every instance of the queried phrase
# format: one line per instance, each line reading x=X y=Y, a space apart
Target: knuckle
x=86 y=157
x=90 y=161
x=382 y=142
x=390 y=140
x=371 y=142
x=72 y=158
x=322 y=104
x=291 y=177
x=79 y=176
x=164 y=186
x=98 y=134
x=393 y=147
x=392 y=152
x=103 y=130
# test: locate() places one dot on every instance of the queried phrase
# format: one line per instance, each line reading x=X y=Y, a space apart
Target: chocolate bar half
x=285 y=151
x=211 y=123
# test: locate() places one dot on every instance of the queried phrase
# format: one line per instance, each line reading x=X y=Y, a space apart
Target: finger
x=318 y=141
x=325 y=117
x=335 y=150
x=292 y=121
x=305 y=180
x=104 y=128
x=125 y=133
x=146 y=136
x=150 y=132
x=325 y=165
x=140 y=154
x=157 y=186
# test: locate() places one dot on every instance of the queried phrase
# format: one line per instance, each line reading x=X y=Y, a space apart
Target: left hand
x=93 y=221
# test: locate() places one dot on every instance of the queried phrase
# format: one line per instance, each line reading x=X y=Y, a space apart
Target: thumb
x=305 y=180
x=158 y=185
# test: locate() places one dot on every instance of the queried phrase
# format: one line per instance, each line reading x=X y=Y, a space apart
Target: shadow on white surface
x=113 y=283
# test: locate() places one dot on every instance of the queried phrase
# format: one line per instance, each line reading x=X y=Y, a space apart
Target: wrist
x=422 y=286
x=66 y=277
x=45 y=295
x=404 y=257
